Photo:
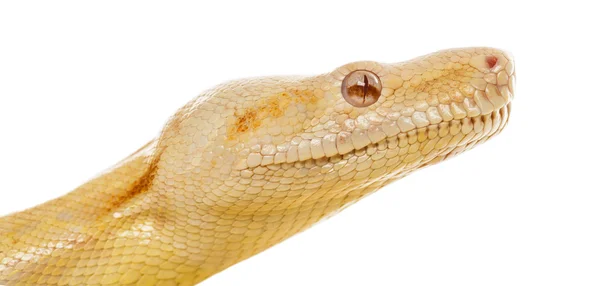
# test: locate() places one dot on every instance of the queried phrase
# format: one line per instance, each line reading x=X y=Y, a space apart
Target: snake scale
x=252 y=162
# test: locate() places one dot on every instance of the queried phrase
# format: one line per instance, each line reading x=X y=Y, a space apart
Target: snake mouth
x=438 y=138
x=415 y=146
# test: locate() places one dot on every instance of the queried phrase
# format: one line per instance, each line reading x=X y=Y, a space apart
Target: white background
x=83 y=84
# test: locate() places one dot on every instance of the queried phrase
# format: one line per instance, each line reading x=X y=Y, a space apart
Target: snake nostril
x=491 y=61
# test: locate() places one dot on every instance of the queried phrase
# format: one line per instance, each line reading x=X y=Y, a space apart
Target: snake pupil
x=365 y=87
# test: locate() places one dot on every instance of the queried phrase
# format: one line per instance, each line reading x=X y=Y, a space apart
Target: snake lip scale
x=251 y=162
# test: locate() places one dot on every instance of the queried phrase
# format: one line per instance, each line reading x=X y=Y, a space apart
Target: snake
x=251 y=162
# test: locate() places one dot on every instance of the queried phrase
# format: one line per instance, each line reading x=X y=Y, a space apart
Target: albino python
x=252 y=162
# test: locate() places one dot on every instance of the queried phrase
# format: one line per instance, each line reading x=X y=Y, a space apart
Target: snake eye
x=361 y=88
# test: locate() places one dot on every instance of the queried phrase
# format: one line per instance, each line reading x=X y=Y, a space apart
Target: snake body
x=252 y=162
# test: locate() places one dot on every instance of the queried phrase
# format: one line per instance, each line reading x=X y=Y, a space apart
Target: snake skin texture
x=252 y=162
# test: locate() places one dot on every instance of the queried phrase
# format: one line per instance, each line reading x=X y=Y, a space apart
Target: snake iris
x=252 y=162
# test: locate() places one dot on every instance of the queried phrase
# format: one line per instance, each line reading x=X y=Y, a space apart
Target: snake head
x=265 y=142
x=369 y=119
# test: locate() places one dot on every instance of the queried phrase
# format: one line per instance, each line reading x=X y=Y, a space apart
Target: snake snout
x=496 y=79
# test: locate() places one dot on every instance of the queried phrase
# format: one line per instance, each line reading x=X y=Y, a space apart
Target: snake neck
x=121 y=218
x=73 y=227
